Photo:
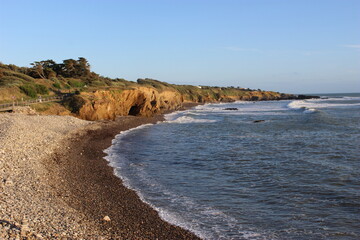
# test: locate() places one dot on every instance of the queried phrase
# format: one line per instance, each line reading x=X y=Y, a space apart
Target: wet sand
x=86 y=183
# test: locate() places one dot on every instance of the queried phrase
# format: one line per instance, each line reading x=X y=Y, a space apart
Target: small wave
x=310 y=110
x=112 y=150
x=196 y=114
x=313 y=105
x=342 y=98
x=196 y=214
x=187 y=119
x=301 y=105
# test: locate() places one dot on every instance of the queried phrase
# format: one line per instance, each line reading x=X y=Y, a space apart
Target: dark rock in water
x=284 y=96
x=306 y=97
x=232 y=109
x=257 y=121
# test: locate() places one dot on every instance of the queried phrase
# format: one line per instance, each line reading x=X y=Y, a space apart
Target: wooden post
x=13 y=103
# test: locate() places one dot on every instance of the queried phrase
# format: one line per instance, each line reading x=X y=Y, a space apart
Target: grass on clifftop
x=47 y=78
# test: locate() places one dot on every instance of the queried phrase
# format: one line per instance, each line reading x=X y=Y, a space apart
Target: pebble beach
x=55 y=183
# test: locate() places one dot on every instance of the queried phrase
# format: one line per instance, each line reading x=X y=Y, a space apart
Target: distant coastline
x=65 y=177
x=87 y=95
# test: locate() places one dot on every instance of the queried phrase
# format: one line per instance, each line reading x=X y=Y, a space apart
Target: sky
x=292 y=46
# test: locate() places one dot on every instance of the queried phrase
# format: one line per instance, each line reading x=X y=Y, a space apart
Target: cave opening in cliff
x=134 y=110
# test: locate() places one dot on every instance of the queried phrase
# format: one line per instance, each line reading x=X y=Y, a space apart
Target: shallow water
x=294 y=175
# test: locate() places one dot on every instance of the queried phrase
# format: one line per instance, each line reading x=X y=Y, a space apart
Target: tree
x=43 y=68
x=76 y=68
x=83 y=67
x=68 y=68
x=37 y=70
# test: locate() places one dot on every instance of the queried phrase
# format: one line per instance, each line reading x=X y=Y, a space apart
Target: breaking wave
x=181 y=117
x=314 y=105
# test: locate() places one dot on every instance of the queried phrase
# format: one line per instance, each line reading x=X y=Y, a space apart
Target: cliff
x=142 y=101
x=93 y=97
x=147 y=101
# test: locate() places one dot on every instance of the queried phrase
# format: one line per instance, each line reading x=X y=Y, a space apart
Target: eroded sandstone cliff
x=147 y=101
x=142 y=101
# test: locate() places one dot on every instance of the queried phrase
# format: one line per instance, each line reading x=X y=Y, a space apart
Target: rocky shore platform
x=55 y=184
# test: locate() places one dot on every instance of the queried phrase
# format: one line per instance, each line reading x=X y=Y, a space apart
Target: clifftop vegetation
x=50 y=78
x=95 y=97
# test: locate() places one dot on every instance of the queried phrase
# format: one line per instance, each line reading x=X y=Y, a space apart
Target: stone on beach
x=61 y=193
x=26 y=143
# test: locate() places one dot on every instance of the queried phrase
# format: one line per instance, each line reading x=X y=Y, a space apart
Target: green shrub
x=57 y=85
x=21 y=76
x=41 y=89
x=74 y=103
x=29 y=90
x=97 y=83
x=75 y=84
x=9 y=81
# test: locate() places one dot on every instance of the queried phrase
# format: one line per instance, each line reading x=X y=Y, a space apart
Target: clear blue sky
x=297 y=46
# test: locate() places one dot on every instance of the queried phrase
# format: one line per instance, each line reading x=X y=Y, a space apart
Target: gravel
x=29 y=207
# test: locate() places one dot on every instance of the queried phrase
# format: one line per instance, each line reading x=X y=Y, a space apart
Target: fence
x=9 y=106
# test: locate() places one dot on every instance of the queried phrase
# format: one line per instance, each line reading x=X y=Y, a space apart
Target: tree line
x=68 y=68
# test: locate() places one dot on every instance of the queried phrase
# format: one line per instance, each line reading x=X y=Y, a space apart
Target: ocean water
x=295 y=175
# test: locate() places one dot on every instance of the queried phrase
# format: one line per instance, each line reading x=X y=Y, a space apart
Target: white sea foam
x=194 y=210
x=310 y=106
x=112 y=150
x=187 y=119
x=189 y=213
x=119 y=162
x=183 y=117
x=310 y=110
x=329 y=98
x=243 y=108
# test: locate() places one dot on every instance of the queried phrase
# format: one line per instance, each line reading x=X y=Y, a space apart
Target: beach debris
x=231 y=109
x=107 y=218
x=24 y=227
x=258 y=121
x=7 y=182
x=24 y=110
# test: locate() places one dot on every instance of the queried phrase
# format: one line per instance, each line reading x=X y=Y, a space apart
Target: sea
x=285 y=169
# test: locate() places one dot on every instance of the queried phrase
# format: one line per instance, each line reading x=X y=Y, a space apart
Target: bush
x=57 y=85
x=97 y=84
x=75 y=84
x=41 y=89
x=9 y=80
x=29 y=90
x=74 y=103
x=21 y=76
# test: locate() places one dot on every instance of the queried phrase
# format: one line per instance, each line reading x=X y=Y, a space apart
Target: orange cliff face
x=147 y=101
x=142 y=101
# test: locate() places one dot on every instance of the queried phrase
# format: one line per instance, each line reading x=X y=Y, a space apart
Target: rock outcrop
x=142 y=101
x=147 y=101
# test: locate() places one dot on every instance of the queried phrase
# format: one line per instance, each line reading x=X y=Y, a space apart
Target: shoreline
x=56 y=183
x=93 y=189
x=107 y=196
